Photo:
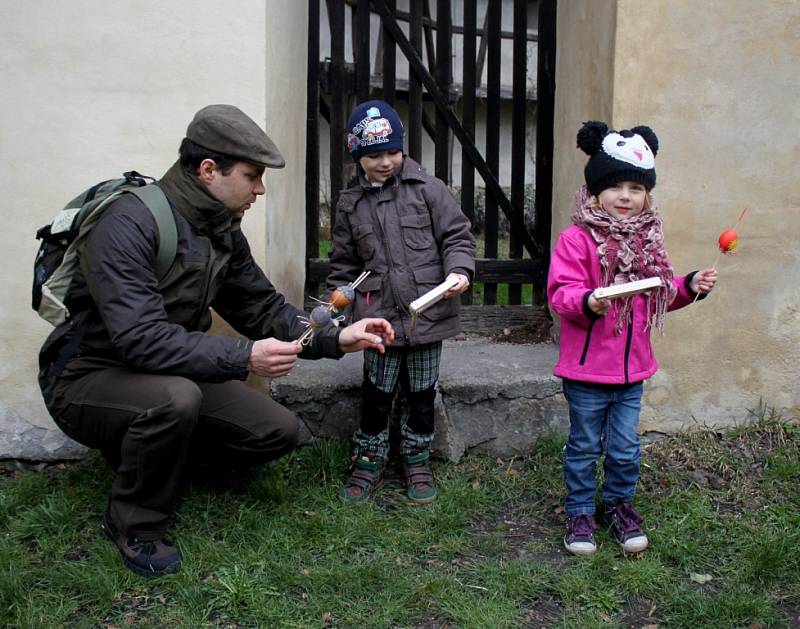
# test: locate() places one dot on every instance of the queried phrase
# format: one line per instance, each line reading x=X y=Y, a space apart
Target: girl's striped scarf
x=630 y=249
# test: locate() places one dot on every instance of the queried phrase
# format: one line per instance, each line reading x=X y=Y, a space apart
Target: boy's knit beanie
x=627 y=155
x=374 y=126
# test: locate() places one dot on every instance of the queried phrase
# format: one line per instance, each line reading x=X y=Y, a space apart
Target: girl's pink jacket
x=590 y=350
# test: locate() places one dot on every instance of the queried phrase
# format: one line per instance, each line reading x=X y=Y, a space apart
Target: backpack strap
x=154 y=199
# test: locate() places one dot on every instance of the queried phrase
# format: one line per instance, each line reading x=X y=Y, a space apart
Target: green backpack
x=56 y=261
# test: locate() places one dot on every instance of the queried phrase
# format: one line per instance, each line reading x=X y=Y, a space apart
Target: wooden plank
x=389 y=67
x=494 y=319
x=414 y=83
x=361 y=49
x=518 y=135
x=444 y=77
x=494 y=11
x=312 y=138
x=523 y=270
x=545 y=116
x=336 y=20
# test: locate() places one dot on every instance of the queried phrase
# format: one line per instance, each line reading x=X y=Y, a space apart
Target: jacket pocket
x=586 y=344
x=369 y=299
x=426 y=279
x=366 y=241
x=417 y=232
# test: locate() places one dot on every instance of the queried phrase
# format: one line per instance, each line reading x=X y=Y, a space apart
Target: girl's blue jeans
x=603 y=418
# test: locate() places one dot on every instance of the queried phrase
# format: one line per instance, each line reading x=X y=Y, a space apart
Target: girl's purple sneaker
x=579 y=539
x=624 y=522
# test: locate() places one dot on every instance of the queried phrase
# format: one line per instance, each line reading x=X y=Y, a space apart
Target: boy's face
x=623 y=200
x=380 y=166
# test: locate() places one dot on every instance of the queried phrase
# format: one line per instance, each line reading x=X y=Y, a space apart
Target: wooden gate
x=335 y=85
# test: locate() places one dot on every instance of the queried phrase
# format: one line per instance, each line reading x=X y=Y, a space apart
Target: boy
x=402 y=225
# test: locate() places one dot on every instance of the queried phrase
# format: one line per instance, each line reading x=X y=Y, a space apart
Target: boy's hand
x=366 y=334
x=598 y=306
x=463 y=284
x=703 y=281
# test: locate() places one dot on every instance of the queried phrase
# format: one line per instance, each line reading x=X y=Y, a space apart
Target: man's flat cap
x=228 y=130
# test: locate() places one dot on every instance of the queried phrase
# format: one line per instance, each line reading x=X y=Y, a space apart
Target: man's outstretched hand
x=366 y=334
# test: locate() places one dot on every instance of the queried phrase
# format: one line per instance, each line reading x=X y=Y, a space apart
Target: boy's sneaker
x=624 y=522
x=365 y=477
x=579 y=539
x=419 y=478
x=148 y=558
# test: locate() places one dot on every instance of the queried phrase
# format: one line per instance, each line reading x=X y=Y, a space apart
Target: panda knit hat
x=374 y=126
x=614 y=156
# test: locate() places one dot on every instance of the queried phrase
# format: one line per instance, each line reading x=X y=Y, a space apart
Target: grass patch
x=281 y=550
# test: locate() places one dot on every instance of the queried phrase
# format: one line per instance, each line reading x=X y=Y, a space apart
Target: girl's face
x=625 y=199
x=380 y=166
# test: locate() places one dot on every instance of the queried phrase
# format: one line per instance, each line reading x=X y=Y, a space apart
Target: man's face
x=380 y=166
x=237 y=190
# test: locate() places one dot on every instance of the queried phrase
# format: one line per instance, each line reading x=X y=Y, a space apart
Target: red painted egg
x=728 y=241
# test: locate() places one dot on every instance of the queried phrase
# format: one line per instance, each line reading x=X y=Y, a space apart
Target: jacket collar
x=409 y=171
x=192 y=199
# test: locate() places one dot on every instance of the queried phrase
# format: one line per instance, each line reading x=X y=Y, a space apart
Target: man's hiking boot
x=149 y=558
x=366 y=475
x=419 y=478
x=579 y=539
x=624 y=522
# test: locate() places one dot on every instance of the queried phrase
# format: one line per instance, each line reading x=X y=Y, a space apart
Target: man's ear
x=206 y=170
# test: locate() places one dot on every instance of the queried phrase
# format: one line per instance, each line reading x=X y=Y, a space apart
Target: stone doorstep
x=492 y=398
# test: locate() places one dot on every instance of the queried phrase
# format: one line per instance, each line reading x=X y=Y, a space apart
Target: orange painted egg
x=728 y=241
x=342 y=296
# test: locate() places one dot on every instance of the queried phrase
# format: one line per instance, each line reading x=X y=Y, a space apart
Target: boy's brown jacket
x=410 y=234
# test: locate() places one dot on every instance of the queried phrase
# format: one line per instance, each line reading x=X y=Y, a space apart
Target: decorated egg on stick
x=728 y=241
x=342 y=297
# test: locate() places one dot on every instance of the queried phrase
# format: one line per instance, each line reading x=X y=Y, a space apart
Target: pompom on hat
x=374 y=126
x=614 y=156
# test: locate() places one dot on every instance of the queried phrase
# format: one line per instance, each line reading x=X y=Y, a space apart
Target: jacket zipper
x=628 y=346
x=586 y=344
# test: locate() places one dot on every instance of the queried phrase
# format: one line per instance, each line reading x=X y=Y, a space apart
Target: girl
x=605 y=352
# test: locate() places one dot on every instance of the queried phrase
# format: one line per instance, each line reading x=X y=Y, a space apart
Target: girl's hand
x=598 y=306
x=703 y=281
x=463 y=284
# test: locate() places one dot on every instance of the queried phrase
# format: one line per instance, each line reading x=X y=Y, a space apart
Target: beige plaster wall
x=718 y=81
x=93 y=88
x=285 y=101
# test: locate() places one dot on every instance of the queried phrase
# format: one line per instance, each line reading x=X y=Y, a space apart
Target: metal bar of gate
x=494 y=11
x=414 y=84
x=518 y=133
x=492 y=185
x=312 y=140
x=444 y=78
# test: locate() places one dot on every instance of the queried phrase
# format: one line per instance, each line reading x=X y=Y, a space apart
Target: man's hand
x=703 y=281
x=273 y=358
x=598 y=306
x=463 y=284
x=366 y=334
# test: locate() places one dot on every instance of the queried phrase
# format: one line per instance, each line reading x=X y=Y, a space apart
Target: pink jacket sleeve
x=570 y=278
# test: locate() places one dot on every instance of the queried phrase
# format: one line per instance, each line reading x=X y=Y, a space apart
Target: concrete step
x=492 y=398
